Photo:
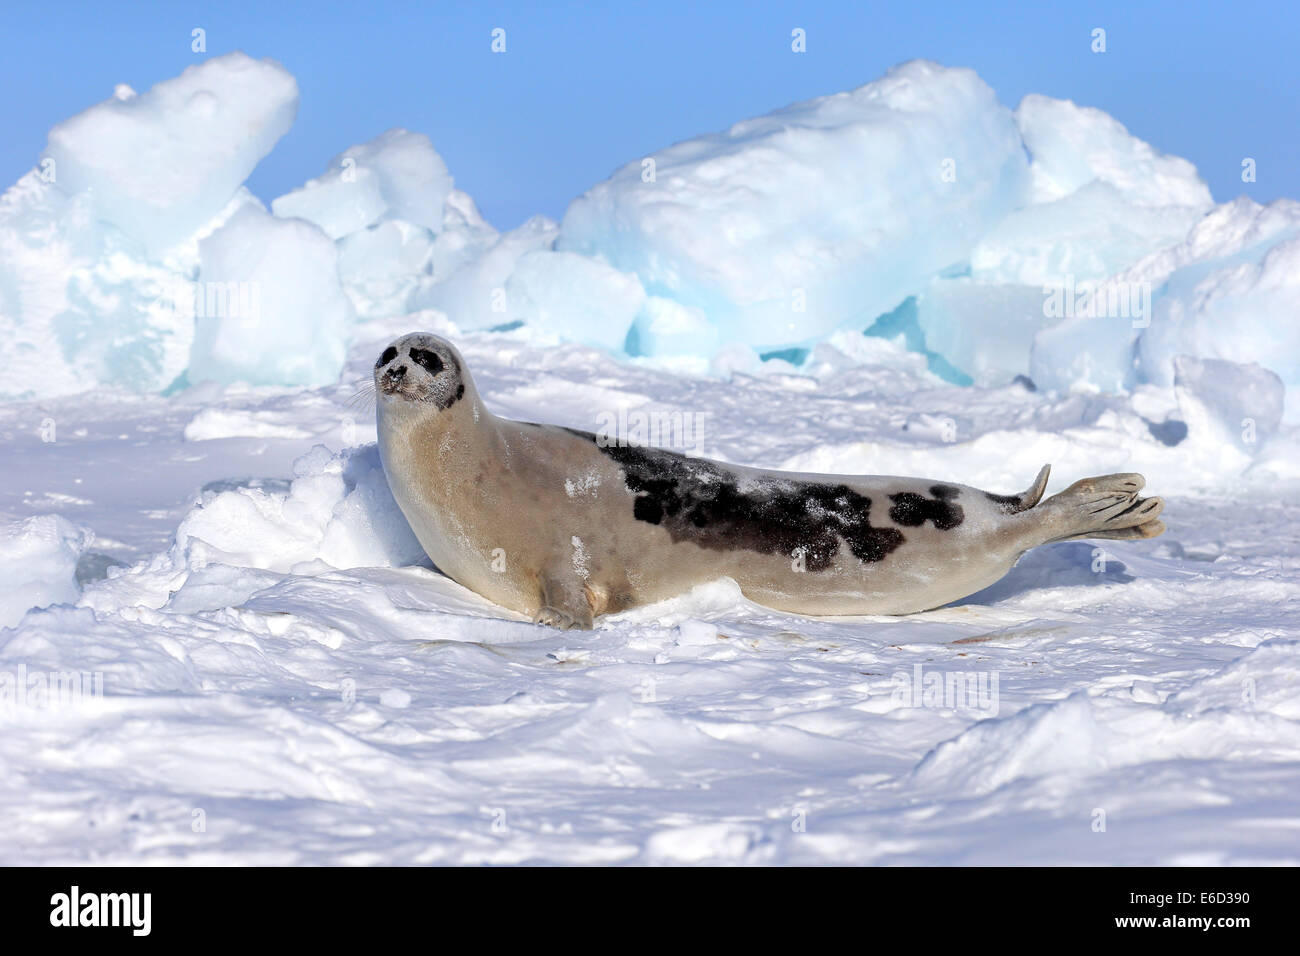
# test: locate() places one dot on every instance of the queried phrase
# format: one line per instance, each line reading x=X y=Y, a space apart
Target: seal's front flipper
x=566 y=604
x=1104 y=507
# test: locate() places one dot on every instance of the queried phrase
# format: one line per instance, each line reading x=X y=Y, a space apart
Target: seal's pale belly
x=538 y=503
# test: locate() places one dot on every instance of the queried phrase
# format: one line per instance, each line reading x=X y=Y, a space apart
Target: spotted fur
x=695 y=500
x=1009 y=504
x=912 y=510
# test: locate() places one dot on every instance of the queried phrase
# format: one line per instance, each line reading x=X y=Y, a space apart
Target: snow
x=82 y=305
x=159 y=165
x=1243 y=312
x=337 y=510
x=1073 y=146
x=786 y=226
x=38 y=564
x=276 y=656
x=570 y=294
x=398 y=175
x=343 y=201
x=273 y=310
x=475 y=292
x=1227 y=290
x=917 y=204
x=947 y=314
x=1227 y=403
x=221 y=643
x=413 y=178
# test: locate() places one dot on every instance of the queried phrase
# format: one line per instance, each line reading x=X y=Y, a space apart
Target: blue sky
x=584 y=87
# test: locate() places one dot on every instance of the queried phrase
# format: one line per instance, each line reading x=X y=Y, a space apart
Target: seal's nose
x=396 y=373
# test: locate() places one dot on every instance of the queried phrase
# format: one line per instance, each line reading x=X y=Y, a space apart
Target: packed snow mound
x=400 y=225
x=1228 y=290
x=1267 y=680
x=573 y=295
x=413 y=179
x=1101 y=199
x=240 y=537
x=398 y=175
x=1048 y=243
x=161 y=164
x=270 y=307
x=82 y=306
x=337 y=512
x=38 y=564
x=341 y=202
x=831 y=211
x=474 y=295
x=1231 y=410
x=1071 y=146
x=951 y=314
x=1243 y=312
x=1078 y=737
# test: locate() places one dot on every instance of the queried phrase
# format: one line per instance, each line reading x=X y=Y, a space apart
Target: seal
x=565 y=525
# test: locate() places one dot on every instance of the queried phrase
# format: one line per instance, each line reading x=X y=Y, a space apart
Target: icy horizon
x=1039 y=243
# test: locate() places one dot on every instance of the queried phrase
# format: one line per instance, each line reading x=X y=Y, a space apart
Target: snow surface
x=284 y=673
x=193 y=517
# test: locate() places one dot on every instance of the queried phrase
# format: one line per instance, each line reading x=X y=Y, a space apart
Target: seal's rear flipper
x=1104 y=507
x=1137 y=532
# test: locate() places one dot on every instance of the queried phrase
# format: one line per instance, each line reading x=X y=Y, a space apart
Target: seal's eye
x=427 y=360
x=388 y=355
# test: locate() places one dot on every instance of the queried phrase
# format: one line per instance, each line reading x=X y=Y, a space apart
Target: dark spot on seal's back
x=698 y=501
x=913 y=510
x=648 y=509
x=1008 y=503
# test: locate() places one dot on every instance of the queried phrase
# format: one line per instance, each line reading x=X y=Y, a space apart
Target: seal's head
x=423 y=369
